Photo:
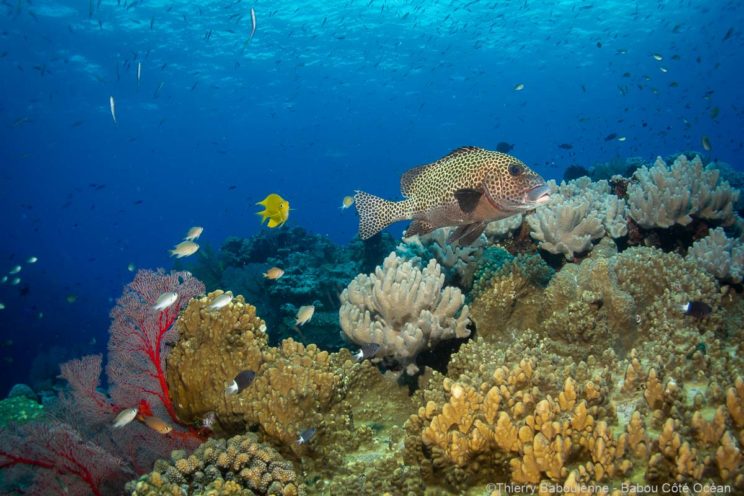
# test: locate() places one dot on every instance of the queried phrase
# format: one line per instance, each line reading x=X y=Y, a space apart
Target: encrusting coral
x=239 y=466
x=609 y=300
x=402 y=308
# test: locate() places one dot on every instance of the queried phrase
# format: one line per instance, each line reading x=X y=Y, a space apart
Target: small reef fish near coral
x=184 y=249
x=221 y=301
x=124 y=417
x=240 y=382
x=165 y=300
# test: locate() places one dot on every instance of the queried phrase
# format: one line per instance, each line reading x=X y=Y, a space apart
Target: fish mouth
x=538 y=195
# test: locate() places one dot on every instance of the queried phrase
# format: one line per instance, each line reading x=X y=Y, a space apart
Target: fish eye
x=515 y=169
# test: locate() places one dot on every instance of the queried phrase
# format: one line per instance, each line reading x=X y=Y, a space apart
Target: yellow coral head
x=276 y=210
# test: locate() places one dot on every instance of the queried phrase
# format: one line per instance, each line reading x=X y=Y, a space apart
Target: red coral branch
x=139 y=335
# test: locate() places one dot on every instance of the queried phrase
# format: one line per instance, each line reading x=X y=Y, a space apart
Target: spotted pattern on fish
x=447 y=192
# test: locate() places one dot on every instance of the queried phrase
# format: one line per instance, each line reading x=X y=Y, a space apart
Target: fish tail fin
x=376 y=213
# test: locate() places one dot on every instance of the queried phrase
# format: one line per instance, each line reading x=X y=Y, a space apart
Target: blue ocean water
x=326 y=98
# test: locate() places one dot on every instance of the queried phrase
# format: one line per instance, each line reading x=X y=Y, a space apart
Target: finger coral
x=236 y=466
x=212 y=348
x=402 y=308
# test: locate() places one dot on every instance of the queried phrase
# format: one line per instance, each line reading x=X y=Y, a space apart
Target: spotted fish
x=466 y=189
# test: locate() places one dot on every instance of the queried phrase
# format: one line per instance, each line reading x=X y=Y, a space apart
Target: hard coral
x=237 y=466
x=212 y=348
x=402 y=308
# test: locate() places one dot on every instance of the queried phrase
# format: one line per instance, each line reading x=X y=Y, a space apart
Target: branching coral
x=663 y=195
x=403 y=309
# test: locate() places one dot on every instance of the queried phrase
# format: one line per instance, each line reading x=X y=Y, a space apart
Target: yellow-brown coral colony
x=595 y=379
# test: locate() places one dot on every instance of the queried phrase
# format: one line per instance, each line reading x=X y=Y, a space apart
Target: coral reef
x=719 y=255
x=403 y=309
x=213 y=346
x=664 y=195
x=527 y=416
x=295 y=387
x=579 y=212
x=238 y=466
x=315 y=272
x=609 y=300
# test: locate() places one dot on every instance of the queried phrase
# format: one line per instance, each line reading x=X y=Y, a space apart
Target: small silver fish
x=112 y=104
x=241 y=381
x=139 y=72
x=367 y=351
x=221 y=301
x=15 y=270
x=165 y=300
x=306 y=436
x=125 y=416
x=253 y=24
x=32 y=260
x=208 y=420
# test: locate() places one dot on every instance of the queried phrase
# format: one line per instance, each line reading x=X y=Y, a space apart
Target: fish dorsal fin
x=468 y=199
x=406 y=180
x=459 y=151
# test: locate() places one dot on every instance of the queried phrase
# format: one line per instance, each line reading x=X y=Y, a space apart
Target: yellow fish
x=184 y=249
x=157 y=425
x=347 y=202
x=194 y=233
x=276 y=210
x=273 y=273
x=304 y=314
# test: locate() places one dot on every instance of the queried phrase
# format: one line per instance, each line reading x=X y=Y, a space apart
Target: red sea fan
x=64 y=462
x=84 y=377
x=139 y=334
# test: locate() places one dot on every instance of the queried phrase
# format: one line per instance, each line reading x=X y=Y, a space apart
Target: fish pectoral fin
x=467 y=234
x=419 y=227
x=468 y=199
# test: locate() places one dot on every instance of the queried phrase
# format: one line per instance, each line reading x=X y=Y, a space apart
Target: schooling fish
x=194 y=233
x=241 y=381
x=184 y=249
x=468 y=188
x=112 y=104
